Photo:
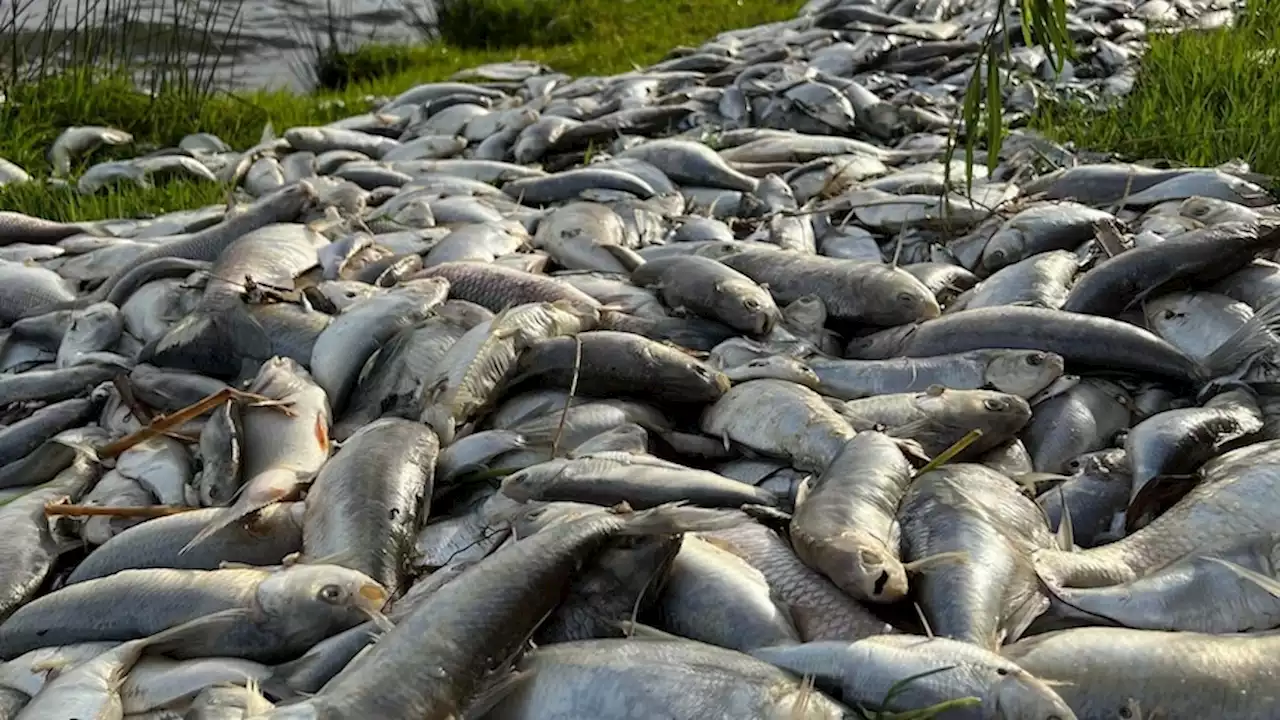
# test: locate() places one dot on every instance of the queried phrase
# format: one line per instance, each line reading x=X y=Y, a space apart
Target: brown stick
x=145 y=511
x=164 y=423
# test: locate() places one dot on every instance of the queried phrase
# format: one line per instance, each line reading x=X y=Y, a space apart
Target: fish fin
x=180 y=635
x=213 y=341
x=1269 y=584
x=480 y=703
x=1026 y=609
x=908 y=430
x=803 y=489
x=1257 y=336
x=1055 y=599
x=770 y=517
x=673 y=518
x=629 y=259
x=640 y=631
x=1158 y=495
x=921 y=564
x=924 y=620
x=267 y=488
x=1065 y=535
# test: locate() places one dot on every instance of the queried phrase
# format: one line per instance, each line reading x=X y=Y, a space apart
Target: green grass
x=1202 y=98
x=579 y=37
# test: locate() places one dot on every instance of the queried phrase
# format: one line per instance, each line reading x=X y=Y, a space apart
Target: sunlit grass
x=579 y=37
x=1201 y=98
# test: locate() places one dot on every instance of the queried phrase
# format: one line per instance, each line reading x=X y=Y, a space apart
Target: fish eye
x=330 y=594
x=1126 y=713
x=997 y=255
x=906 y=297
x=1074 y=464
x=1002 y=671
x=751 y=304
x=993 y=404
x=1169 y=314
x=1035 y=359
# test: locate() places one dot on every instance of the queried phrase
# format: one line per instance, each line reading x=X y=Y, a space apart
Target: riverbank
x=620 y=35
x=1201 y=98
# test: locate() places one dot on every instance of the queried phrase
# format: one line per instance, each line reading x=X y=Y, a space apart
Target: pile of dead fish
x=695 y=392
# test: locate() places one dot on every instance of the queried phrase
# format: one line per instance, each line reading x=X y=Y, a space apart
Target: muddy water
x=260 y=43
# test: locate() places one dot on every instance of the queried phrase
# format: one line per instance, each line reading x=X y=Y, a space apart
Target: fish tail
x=673 y=518
x=1256 y=337
x=213 y=341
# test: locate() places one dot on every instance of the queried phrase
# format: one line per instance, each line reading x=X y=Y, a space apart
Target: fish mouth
x=723 y=383
x=371 y=597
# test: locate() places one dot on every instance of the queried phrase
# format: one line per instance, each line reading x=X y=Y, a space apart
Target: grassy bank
x=579 y=37
x=1202 y=98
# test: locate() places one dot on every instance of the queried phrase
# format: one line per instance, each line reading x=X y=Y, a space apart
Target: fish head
x=868 y=570
x=529 y=518
x=806 y=312
x=307 y=595
x=1168 y=314
x=884 y=344
x=908 y=300
x=745 y=305
x=1019 y=695
x=531 y=482
x=779 y=367
x=1005 y=247
x=1024 y=372
x=996 y=413
x=705 y=382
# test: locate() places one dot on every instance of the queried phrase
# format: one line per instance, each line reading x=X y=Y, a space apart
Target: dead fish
x=642 y=481
x=18 y=228
x=472 y=369
x=779 y=419
x=76 y=142
x=656 y=677
x=868 y=673
x=852 y=291
x=497 y=288
x=938 y=418
x=1166 y=674
x=346 y=344
x=32 y=545
x=711 y=289
x=1202 y=255
x=526 y=579
x=604 y=362
x=282 y=448
x=273 y=614
x=819 y=609
x=845 y=525
x=713 y=596
x=263 y=538
x=989 y=592
x=1193 y=594
x=1177 y=442
x=1233 y=496
x=363 y=508
x=221 y=334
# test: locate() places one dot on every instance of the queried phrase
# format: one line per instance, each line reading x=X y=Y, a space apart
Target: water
x=260 y=43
